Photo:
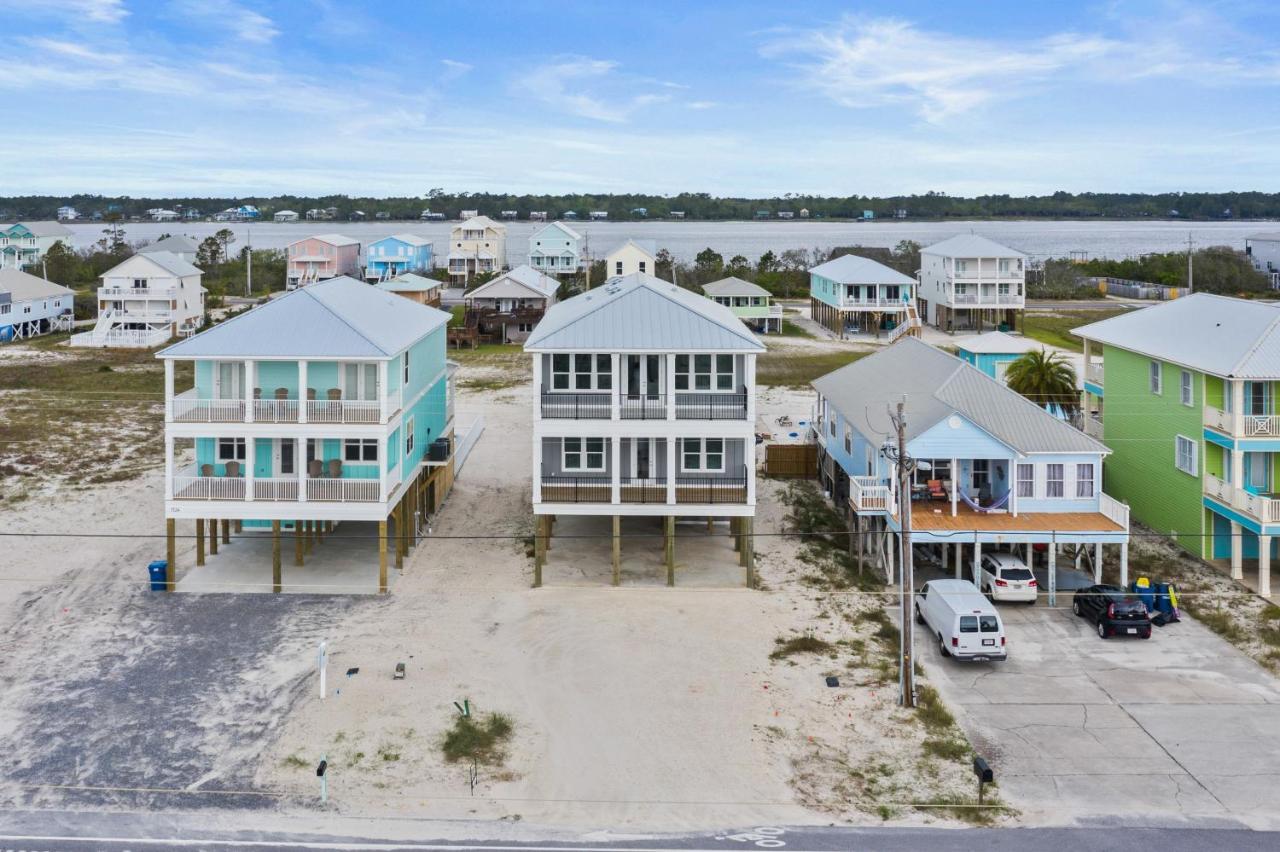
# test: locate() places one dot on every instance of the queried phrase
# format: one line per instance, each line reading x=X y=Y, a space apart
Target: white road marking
x=375 y=846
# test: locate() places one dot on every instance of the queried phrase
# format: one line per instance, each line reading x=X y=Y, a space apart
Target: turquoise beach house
x=391 y=256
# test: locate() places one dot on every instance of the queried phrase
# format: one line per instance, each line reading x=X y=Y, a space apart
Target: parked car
x=964 y=621
x=1113 y=611
x=1005 y=577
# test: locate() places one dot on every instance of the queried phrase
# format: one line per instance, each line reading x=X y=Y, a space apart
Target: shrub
x=483 y=741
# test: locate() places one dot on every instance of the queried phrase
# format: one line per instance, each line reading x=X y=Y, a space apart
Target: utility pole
x=1190 y=264
x=248 y=281
x=897 y=453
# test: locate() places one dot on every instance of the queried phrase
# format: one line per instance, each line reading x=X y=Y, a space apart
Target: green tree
x=225 y=238
x=768 y=262
x=739 y=266
x=209 y=253
x=709 y=261
x=62 y=265
x=1045 y=378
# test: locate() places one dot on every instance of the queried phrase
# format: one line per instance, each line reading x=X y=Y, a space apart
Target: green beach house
x=749 y=303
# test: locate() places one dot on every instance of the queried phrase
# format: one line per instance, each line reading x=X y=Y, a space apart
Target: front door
x=642 y=458
x=1258 y=473
x=229 y=376
x=644 y=376
x=282 y=457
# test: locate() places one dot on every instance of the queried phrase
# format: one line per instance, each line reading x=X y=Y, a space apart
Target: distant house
x=510 y=214
x=416 y=288
x=786 y=214
x=506 y=309
x=25 y=243
x=469 y=214
x=993 y=352
x=749 y=303
x=804 y=212
x=390 y=256
x=631 y=256
x=382 y=215
x=598 y=215
x=30 y=306
x=312 y=259
x=640 y=212
x=1264 y=251
x=144 y=301
x=968 y=281
x=428 y=216
x=537 y=215
x=857 y=295
x=556 y=249
x=191 y=214
x=476 y=246
x=285 y=216
x=175 y=244
x=676 y=214
x=67 y=214
x=161 y=214
x=570 y=214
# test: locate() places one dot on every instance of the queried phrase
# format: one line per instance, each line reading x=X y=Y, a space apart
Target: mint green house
x=1185 y=397
x=332 y=404
x=749 y=302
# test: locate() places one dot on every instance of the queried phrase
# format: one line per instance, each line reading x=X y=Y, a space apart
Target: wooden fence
x=791 y=460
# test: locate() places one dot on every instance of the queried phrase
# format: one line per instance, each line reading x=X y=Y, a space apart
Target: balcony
x=711 y=406
x=868 y=494
x=122 y=338
x=577 y=406
x=188 y=407
x=987 y=299
x=201 y=483
x=689 y=489
x=137 y=292
x=1250 y=425
x=1093 y=374
x=647 y=407
x=1263 y=508
x=873 y=302
x=599 y=406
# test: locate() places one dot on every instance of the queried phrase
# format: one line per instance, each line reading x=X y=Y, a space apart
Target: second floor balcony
x=189 y=407
x=1246 y=425
x=1263 y=508
x=604 y=405
x=156 y=291
x=987 y=297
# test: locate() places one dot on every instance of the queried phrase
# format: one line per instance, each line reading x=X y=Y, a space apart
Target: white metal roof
x=569 y=232
x=407 y=282
x=336 y=318
x=936 y=386
x=733 y=286
x=970 y=245
x=1265 y=236
x=23 y=287
x=852 y=269
x=649 y=247
x=1236 y=338
x=166 y=260
x=997 y=343
x=477 y=223
x=175 y=243
x=525 y=276
x=639 y=312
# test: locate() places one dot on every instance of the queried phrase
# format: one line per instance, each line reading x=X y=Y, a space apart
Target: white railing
x=986 y=298
x=1261 y=425
x=275 y=410
x=122 y=338
x=343 y=411
x=869 y=494
x=1216 y=418
x=137 y=292
x=964 y=298
x=208 y=488
x=344 y=490
x=276 y=488
x=188 y=408
x=1093 y=427
x=1008 y=299
x=1258 y=506
x=873 y=303
x=1093 y=374
x=1114 y=510
x=775 y=310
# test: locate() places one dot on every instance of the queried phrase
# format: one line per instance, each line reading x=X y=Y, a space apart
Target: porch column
x=1237 y=551
x=199 y=541
x=673 y=449
x=749 y=551
x=671 y=384
x=958 y=558
x=302 y=391
x=1097 y=563
x=1012 y=479
x=1084 y=394
x=955 y=483
x=300 y=460
x=615 y=468
x=615 y=387
x=1053 y=572
x=276 y=581
x=617 y=550
x=382 y=466
x=1124 y=565
x=382 y=399
x=749 y=386
x=226 y=531
x=168 y=390
x=669 y=526
x=1236 y=390
x=537 y=467
x=1031 y=555
x=1237 y=471
x=168 y=467
x=297 y=543
x=382 y=556
x=250 y=382
x=977 y=561
x=1264 y=565
x=537 y=386
x=892 y=537
x=213 y=536
x=171 y=553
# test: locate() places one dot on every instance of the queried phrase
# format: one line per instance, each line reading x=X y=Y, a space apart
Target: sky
x=258 y=97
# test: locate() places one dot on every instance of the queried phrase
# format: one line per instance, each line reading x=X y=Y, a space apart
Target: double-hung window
x=406 y=369
x=848 y=440
x=702 y=454
x=1155 y=379
x=408 y=436
x=1184 y=454
x=360 y=450
x=1185 y=394
x=583 y=454
x=231 y=449
x=581 y=372
x=1084 y=480
x=1054 y=485
x=704 y=372
x=1027 y=480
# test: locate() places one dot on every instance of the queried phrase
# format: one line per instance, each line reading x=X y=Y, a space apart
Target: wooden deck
x=924 y=518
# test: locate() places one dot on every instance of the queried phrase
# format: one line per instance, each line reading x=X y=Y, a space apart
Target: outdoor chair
x=334 y=394
x=206 y=470
x=936 y=491
x=335 y=468
x=282 y=393
x=315 y=468
x=233 y=468
x=311 y=394
x=257 y=393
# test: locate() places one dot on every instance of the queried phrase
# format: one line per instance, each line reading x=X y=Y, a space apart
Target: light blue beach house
x=857 y=295
x=556 y=249
x=391 y=256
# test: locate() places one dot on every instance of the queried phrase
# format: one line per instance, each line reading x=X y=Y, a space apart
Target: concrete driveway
x=1078 y=728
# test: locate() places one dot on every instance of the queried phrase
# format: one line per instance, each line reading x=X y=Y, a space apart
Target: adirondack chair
x=936 y=491
x=335 y=468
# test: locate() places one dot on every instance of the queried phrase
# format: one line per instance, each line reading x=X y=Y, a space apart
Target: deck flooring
x=924 y=518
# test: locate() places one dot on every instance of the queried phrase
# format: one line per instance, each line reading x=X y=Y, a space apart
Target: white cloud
x=97 y=11
x=453 y=69
x=701 y=104
x=589 y=88
x=246 y=24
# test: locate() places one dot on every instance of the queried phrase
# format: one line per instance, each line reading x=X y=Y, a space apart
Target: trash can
x=159 y=571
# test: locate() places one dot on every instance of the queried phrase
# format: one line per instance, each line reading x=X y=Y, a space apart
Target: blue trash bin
x=159 y=571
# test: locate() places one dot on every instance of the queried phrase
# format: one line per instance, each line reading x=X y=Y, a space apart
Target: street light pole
x=897 y=453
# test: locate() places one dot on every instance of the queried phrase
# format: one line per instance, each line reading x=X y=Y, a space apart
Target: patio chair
x=233 y=468
x=936 y=491
x=282 y=393
x=335 y=468
x=206 y=470
x=311 y=394
x=257 y=393
x=334 y=394
x=315 y=468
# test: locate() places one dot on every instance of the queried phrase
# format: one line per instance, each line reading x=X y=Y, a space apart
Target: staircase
x=910 y=324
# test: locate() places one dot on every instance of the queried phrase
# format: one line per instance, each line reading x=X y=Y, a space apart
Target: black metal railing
x=651 y=406
x=649 y=490
x=557 y=488
x=711 y=406
x=576 y=406
x=711 y=489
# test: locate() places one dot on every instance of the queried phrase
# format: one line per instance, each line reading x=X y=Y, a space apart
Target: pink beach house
x=319 y=257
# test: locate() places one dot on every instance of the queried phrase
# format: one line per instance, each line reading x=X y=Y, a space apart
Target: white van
x=966 y=624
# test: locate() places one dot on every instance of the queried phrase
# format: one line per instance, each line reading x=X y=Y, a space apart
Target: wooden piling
x=749 y=552
x=669 y=523
x=382 y=557
x=226 y=532
x=617 y=550
x=171 y=553
x=213 y=536
x=276 y=580
x=199 y=541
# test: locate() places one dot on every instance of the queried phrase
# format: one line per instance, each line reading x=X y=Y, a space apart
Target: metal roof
x=332 y=239
x=1265 y=236
x=166 y=260
x=997 y=343
x=524 y=275
x=733 y=286
x=570 y=232
x=407 y=282
x=852 y=269
x=480 y=223
x=936 y=386
x=174 y=243
x=1236 y=338
x=336 y=318
x=970 y=245
x=639 y=312
x=24 y=287
x=42 y=229
x=407 y=239
x=649 y=247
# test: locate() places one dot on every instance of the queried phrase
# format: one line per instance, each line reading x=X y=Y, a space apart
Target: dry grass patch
x=484 y=741
x=794 y=367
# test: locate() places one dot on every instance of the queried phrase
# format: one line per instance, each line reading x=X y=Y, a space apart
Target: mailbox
x=322 y=768
x=983 y=771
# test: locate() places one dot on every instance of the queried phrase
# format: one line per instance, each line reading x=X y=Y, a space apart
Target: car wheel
x=1031 y=602
x=1075 y=607
x=919 y=617
x=942 y=646
x=1146 y=635
x=1102 y=630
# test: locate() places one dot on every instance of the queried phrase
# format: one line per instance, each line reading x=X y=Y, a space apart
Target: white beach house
x=146 y=300
x=30 y=306
x=972 y=283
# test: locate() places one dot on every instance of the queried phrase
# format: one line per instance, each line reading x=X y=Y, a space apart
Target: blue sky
x=732 y=98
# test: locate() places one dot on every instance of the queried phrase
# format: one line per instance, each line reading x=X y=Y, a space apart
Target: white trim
x=1194 y=468
x=583 y=451
x=703 y=452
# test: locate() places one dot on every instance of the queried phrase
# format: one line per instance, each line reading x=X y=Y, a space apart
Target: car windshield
x=1015 y=573
x=990 y=624
x=968 y=624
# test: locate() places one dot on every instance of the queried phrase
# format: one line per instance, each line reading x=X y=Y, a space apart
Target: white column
x=1030 y=554
x=673 y=449
x=1124 y=565
x=1053 y=573
x=250 y=458
x=1097 y=562
x=537 y=466
x=749 y=459
x=1013 y=486
x=537 y=388
x=749 y=385
x=382 y=457
x=671 y=384
x=250 y=382
x=615 y=467
x=1264 y=565
x=168 y=464
x=1236 y=389
x=302 y=391
x=1237 y=551
x=1237 y=471
x=958 y=558
x=955 y=483
x=977 y=563
x=300 y=459
x=893 y=561
x=615 y=395
x=168 y=390
x=382 y=406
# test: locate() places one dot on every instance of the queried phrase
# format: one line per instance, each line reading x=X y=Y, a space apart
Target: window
x=139 y=283
x=360 y=450
x=4 y=309
x=1053 y=480
x=642 y=269
x=617 y=268
x=1155 y=378
x=525 y=327
x=1184 y=388
x=231 y=449
x=981 y=473
x=583 y=454
x=408 y=436
x=1184 y=458
x=1084 y=480
x=704 y=372
x=1026 y=480
x=848 y=440
x=832 y=423
x=962 y=266
x=702 y=454
x=406 y=369
x=581 y=372
x=1004 y=266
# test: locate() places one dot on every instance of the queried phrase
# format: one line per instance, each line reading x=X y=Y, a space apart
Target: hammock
x=973 y=504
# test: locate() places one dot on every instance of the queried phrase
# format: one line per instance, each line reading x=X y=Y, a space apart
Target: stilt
x=749 y=552
x=669 y=523
x=735 y=529
x=1264 y=565
x=1124 y=565
x=861 y=543
x=226 y=532
x=199 y=541
x=1097 y=563
x=382 y=557
x=213 y=537
x=710 y=526
x=308 y=535
x=400 y=538
x=171 y=553
x=239 y=526
x=958 y=559
x=297 y=543
x=1237 y=551
x=275 y=557
x=541 y=531
x=617 y=548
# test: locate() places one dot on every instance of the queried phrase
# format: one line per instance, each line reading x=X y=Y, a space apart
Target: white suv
x=1005 y=577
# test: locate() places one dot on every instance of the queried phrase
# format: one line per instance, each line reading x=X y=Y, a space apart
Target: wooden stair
x=911 y=326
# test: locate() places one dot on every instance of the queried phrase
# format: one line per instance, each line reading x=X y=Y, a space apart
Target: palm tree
x=1045 y=378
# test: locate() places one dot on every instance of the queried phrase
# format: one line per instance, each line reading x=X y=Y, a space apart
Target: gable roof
x=852 y=269
x=408 y=239
x=938 y=385
x=523 y=275
x=1236 y=338
x=639 y=312
x=335 y=318
x=649 y=247
x=42 y=229
x=733 y=286
x=166 y=260
x=1266 y=236
x=970 y=245
x=23 y=287
x=569 y=232
x=336 y=240
x=997 y=343
x=173 y=243
x=477 y=222
x=407 y=282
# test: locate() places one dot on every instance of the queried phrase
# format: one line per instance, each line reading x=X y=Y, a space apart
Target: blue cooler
x=159 y=571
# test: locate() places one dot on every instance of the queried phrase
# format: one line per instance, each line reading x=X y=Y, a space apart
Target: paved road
x=1084 y=304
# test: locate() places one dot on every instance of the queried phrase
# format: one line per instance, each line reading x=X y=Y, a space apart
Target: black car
x=1114 y=611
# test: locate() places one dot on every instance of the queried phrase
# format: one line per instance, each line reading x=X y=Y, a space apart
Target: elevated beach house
x=476 y=245
x=329 y=405
x=507 y=308
x=993 y=351
x=400 y=253
x=1190 y=391
x=424 y=291
x=144 y=301
x=992 y=469
x=644 y=407
x=630 y=257
x=556 y=249
x=175 y=244
x=25 y=243
x=972 y=283
x=749 y=303
x=857 y=295
x=31 y=306
x=316 y=258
